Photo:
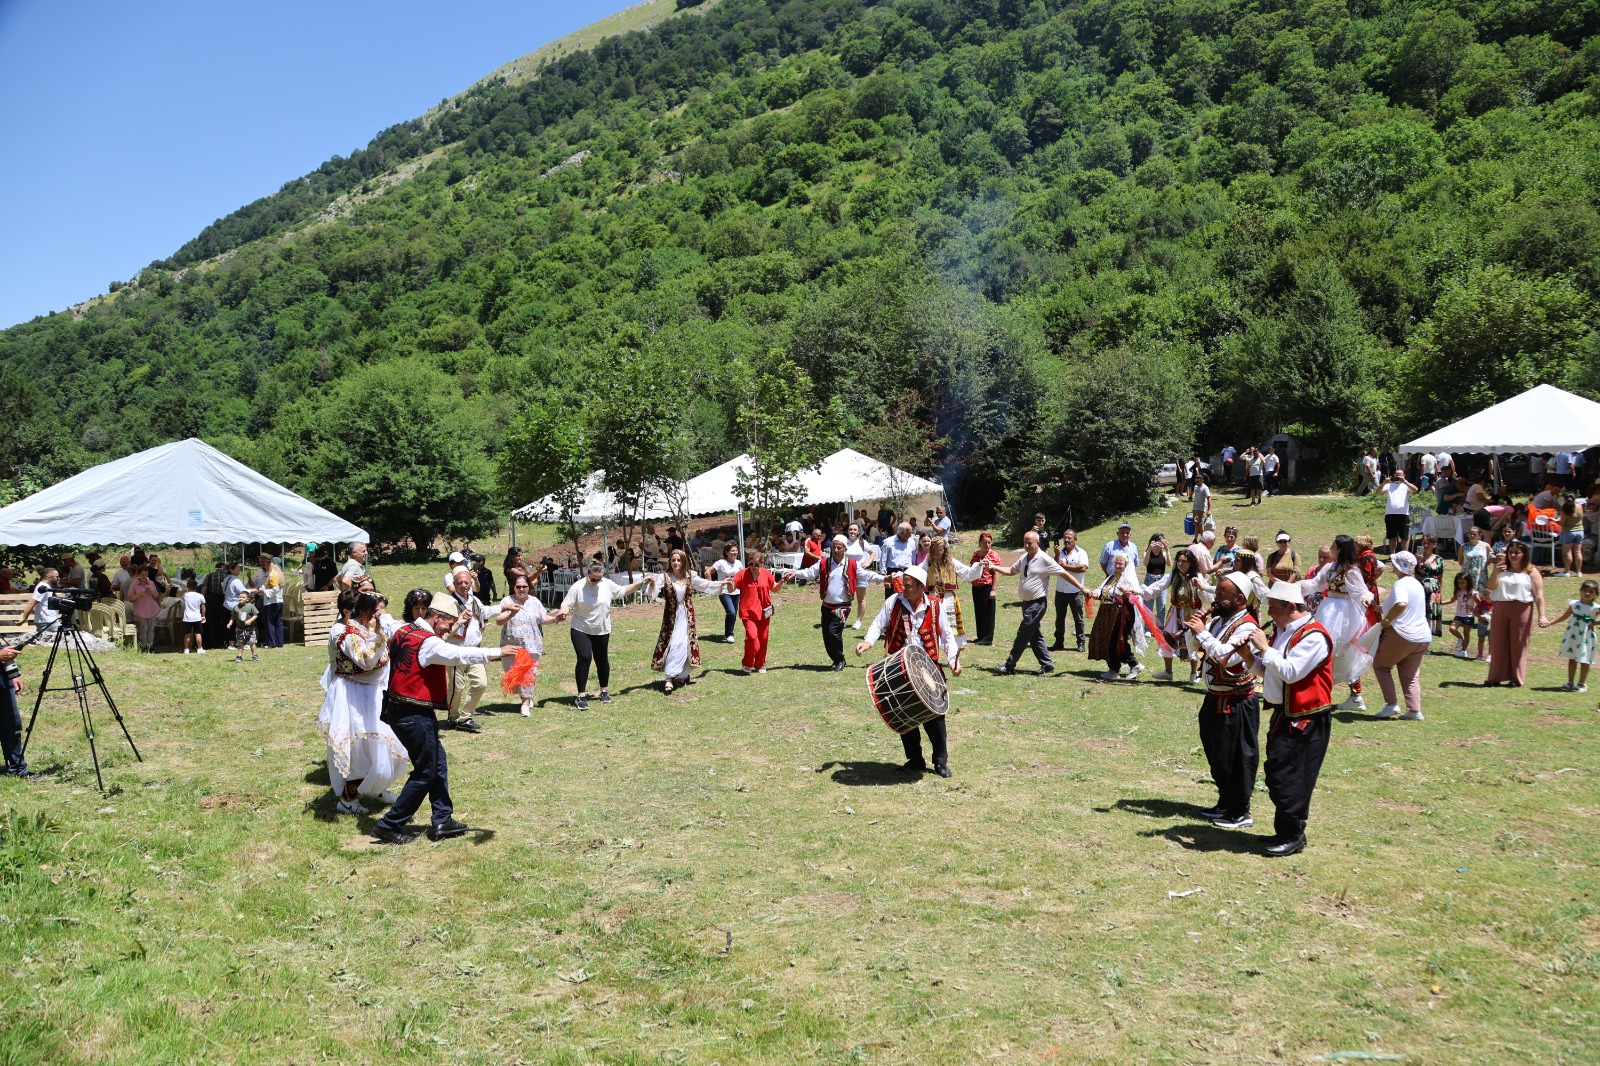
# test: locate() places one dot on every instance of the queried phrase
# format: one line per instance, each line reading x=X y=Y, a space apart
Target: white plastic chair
x=1544 y=534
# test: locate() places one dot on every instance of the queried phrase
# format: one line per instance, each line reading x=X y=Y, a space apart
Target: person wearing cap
x=419 y=686
x=1284 y=563
x=836 y=578
x=355 y=566
x=588 y=605
x=723 y=570
x=1122 y=544
x=931 y=619
x=470 y=681
x=455 y=562
x=1296 y=668
x=1033 y=587
x=1405 y=640
x=1230 y=714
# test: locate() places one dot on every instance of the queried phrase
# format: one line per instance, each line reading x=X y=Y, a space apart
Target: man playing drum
x=932 y=620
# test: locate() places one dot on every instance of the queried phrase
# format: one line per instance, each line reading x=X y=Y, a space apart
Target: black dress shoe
x=942 y=771
x=1287 y=847
x=1007 y=668
x=1045 y=671
x=467 y=725
x=913 y=767
x=984 y=643
x=837 y=667
x=451 y=828
x=1079 y=649
x=384 y=835
x=1212 y=813
x=1058 y=647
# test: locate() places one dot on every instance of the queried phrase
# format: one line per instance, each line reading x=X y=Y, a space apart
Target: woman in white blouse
x=723 y=570
x=678 y=645
x=1405 y=640
x=1516 y=589
x=1343 y=613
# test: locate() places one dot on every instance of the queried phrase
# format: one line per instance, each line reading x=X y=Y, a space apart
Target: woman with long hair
x=678 y=643
x=755 y=584
x=945 y=573
x=720 y=571
x=865 y=554
x=1181 y=591
x=983 y=588
x=364 y=755
x=1517 y=589
x=1343 y=613
x=1429 y=573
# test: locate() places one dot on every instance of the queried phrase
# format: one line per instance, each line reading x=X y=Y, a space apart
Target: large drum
x=908 y=689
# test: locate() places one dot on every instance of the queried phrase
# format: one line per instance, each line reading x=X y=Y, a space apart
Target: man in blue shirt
x=897 y=553
x=1122 y=545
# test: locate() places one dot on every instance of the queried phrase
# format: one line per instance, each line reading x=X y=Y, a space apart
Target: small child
x=1578 y=642
x=243 y=624
x=1485 y=605
x=1466 y=608
x=194 y=617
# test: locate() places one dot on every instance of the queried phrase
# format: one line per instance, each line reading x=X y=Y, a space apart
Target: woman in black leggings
x=588 y=606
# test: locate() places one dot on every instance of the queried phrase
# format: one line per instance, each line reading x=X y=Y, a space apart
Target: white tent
x=1541 y=421
x=598 y=505
x=846 y=476
x=186 y=492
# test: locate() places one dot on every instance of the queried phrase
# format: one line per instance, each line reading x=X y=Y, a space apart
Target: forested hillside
x=1016 y=244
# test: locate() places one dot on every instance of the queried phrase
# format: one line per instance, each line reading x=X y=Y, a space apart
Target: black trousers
x=1068 y=601
x=1030 y=634
x=1294 y=759
x=419 y=732
x=833 y=622
x=911 y=740
x=10 y=729
x=595 y=648
x=983 y=602
x=1230 y=741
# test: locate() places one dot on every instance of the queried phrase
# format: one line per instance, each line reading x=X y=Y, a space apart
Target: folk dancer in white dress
x=522 y=619
x=678 y=644
x=1343 y=613
x=364 y=755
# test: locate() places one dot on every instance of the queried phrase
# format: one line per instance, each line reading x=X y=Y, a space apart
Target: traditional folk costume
x=836 y=584
x=1370 y=569
x=945 y=582
x=362 y=750
x=678 y=644
x=1121 y=630
x=933 y=624
x=1343 y=614
x=1297 y=678
x=1182 y=599
x=419 y=686
x=1230 y=715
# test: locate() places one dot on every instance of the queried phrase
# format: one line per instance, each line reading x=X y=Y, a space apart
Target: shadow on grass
x=855 y=772
x=318 y=775
x=1154 y=808
x=1468 y=684
x=1209 y=838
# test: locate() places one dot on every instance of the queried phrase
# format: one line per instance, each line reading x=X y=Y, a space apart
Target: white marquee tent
x=1541 y=421
x=186 y=492
x=846 y=476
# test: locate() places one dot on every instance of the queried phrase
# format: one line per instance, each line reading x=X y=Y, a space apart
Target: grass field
x=737 y=874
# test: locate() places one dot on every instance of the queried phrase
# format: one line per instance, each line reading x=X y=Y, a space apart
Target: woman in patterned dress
x=678 y=645
x=1430 y=572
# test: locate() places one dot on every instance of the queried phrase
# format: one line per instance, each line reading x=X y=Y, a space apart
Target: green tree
x=394 y=448
x=546 y=454
x=784 y=431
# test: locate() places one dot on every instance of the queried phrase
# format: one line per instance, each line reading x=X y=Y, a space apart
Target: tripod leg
x=80 y=688
x=100 y=683
x=44 y=685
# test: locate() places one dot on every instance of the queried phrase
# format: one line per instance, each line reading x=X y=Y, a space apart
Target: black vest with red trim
x=408 y=678
x=1313 y=693
x=849 y=575
x=1232 y=678
x=900 y=621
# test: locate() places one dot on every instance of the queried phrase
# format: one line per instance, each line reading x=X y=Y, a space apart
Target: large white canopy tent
x=186 y=492
x=847 y=476
x=1541 y=421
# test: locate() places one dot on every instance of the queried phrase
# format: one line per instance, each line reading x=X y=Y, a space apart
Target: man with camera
x=11 y=715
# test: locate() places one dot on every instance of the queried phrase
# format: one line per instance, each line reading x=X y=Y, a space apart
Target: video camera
x=69 y=600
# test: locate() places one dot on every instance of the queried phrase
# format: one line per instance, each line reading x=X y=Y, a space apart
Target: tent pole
x=742 y=552
x=513 y=529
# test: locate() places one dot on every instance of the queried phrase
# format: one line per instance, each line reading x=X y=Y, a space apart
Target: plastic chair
x=1544 y=533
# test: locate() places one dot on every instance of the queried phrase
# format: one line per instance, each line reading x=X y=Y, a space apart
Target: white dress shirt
x=1075 y=557
x=944 y=629
x=435 y=652
x=839 y=590
x=1278 y=669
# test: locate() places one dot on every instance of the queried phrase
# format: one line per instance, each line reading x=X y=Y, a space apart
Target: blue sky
x=127 y=128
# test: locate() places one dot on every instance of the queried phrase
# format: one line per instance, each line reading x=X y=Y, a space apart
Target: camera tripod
x=84 y=672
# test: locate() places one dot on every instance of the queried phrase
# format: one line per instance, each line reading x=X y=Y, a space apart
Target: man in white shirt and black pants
x=1036 y=569
x=1069 y=588
x=836 y=578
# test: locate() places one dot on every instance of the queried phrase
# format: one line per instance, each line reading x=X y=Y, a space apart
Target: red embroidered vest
x=849 y=573
x=408 y=678
x=899 y=622
x=1314 y=692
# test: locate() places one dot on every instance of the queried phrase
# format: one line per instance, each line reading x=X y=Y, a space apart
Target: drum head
x=925 y=677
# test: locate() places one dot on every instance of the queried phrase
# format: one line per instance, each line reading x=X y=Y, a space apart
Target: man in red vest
x=419 y=685
x=1296 y=669
x=1230 y=716
x=836 y=578
x=932 y=621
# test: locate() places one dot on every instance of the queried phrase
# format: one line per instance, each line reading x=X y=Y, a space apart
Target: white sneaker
x=526 y=712
x=762 y=670
x=1411 y=716
x=1135 y=670
x=202 y=651
x=186 y=651
x=856 y=624
x=747 y=670
x=1580 y=688
x=351 y=807
x=1162 y=675
x=1111 y=675
x=389 y=797
x=1462 y=655
x=1354 y=703
x=1390 y=710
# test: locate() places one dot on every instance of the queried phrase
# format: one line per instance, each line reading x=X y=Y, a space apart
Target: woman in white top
x=364 y=755
x=1405 y=640
x=523 y=618
x=678 y=644
x=588 y=605
x=1182 y=591
x=723 y=570
x=1343 y=613
x=858 y=548
x=1516 y=589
